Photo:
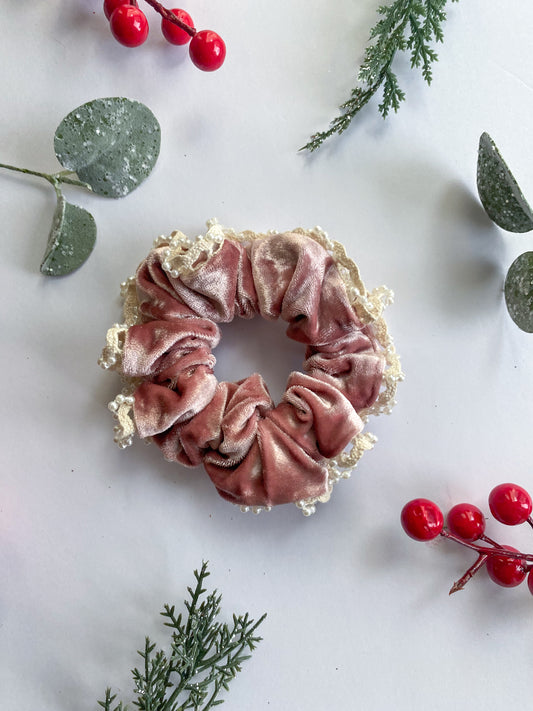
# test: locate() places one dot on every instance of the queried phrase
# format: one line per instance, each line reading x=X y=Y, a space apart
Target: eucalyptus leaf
x=519 y=291
x=112 y=144
x=498 y=190
x=71 y=239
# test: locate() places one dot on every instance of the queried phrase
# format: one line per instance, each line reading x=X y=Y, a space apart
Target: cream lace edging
x=183 y=256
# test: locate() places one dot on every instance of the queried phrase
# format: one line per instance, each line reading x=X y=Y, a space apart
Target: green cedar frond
x=392 y=94
x=107 y=703
x=405 y=25
x=204 y=656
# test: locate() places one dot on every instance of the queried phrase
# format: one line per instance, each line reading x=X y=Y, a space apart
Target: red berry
x=207 y=50
x=422 y=519
x=111 y=5
x=174 y=34
x=129 y=25
x=507 y=572
x=466 y=521
x=510 y=504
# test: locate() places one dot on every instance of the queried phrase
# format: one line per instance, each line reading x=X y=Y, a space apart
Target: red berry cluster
x=129 y=26
x=465 y=524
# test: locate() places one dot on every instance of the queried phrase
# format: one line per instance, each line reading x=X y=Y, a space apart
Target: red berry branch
x=173 y=16
x=510 y=504
x=129 y=26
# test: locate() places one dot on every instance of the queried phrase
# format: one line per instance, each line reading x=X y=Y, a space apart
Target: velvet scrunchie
x=256 y=453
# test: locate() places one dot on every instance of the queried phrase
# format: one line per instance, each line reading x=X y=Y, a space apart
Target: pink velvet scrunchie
x=256 y=453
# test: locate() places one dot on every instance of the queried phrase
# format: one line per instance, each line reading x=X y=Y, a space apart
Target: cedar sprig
x=405 y=26
x=204 y=656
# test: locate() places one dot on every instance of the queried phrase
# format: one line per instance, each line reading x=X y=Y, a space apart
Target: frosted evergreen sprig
x=204 y=655
x=407 y=26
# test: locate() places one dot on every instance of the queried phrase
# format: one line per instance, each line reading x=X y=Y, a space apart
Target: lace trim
x=122 y=409
x=111 y=357
x=184 y=256
x=255 y=509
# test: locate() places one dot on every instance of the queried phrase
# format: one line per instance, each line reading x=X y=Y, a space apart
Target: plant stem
x=212 y=698
x=53 y=178
x=483 y=550
x=490 y=541
x=459 y=585
x=27 y=171
x=171 y=17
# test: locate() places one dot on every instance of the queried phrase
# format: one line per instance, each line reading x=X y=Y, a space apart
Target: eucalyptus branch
x=53 y=178
x=112 y=144
x=204 y=656
x=405 y=25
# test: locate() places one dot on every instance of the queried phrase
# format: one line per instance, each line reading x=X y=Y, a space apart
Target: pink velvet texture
x=255 y=452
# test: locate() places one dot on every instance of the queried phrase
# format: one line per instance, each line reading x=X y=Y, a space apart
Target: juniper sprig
x=407 y=26
x=204 y=656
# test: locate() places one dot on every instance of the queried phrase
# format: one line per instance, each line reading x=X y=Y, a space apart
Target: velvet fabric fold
x=255 y=452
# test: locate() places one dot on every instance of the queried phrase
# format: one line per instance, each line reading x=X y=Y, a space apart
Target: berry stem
x=530 y=521
x=53 y=178
x=171 y=17
x=480 y=562
x=490 y=541
x=526 y=557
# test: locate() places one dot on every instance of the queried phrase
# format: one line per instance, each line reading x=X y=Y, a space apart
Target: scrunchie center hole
x=258 y=346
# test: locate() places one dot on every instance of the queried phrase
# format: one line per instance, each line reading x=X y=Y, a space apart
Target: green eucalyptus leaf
x=519 y=291
x=498 y=190
x=112 y=144
x=71 y=239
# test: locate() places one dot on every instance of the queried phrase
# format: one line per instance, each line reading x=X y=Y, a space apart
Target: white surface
x=94 y=540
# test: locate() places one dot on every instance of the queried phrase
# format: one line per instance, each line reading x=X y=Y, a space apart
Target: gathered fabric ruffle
x=256 y=453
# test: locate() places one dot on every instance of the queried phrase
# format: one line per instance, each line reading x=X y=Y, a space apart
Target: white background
x=94 y=540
